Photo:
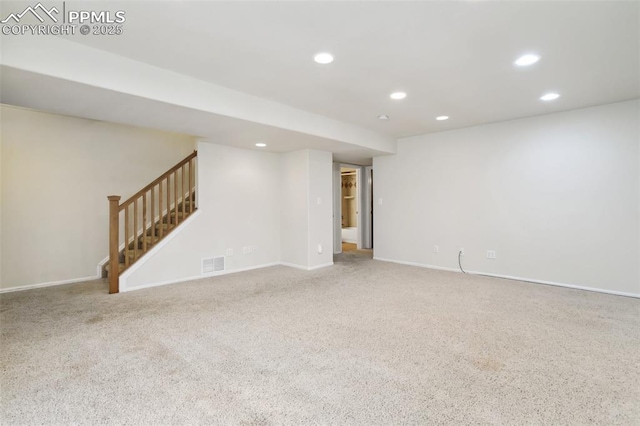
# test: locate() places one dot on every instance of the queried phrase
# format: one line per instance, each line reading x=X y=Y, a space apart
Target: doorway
x=349 y=200
x=353 y=207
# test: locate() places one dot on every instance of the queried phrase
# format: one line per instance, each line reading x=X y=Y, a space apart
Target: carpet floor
x=362 y=342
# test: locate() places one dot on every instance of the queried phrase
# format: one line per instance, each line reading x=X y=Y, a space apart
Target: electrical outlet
x=245 y=250
x=252 y=249
x=461 y=251
x=436 y=249
x=229 y=252
x=319 y=248
x=491 y=254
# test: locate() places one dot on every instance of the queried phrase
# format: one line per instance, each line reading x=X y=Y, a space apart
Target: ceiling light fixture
x=526 y=60
x=383 y=117
x=549 y=97
x=261 y=144
x=442 y=118
x=323 y=58
x=398 y=95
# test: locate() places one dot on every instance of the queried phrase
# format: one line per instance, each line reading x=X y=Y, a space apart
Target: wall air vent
x=213 y=264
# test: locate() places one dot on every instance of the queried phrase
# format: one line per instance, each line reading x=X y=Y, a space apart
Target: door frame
x=364 y=225
x=367 y=197
x=337 y=209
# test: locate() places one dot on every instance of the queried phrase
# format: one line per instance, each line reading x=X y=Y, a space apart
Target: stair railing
x=149 y=216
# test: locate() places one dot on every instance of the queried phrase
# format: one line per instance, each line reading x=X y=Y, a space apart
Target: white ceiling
x=44 y=93
x=452 y=58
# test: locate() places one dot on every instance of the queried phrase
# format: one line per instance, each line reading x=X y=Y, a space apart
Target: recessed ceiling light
x=323 y=58
x=398 y=95
x=526 y=60
x=261 y=144
x=442 y=118
x=383 y=117
x=549 y=96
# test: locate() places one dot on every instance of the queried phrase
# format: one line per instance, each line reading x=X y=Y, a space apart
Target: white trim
x=359 y=201
x=324 y=265
x=305 y=268
x=293 y=265
x=123 y=289
x=49 y=284
x=336 y=200
x=367 y=219
x=508 y=277
x=148 y=255
x=577 y=287
x=420 y=265
x=197 y=277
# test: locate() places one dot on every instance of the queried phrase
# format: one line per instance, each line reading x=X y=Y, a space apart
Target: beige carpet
x=363 y=342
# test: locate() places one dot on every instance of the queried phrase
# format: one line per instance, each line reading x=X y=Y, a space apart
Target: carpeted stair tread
x=152 y=236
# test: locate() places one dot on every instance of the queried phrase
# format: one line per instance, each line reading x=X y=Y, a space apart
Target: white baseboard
x=48 y=284
x=196 y=277
x=293 y=265
x=124 y=288
x=324 y=265
x=528 y=280
x=577 y=287
x=420 y=265
x=305 y=268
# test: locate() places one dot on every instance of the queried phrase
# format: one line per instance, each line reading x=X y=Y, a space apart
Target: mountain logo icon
x=34 y=11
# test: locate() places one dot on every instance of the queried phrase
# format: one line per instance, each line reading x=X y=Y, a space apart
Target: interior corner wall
x=556 y=196
x=306 y=218
x=294 y=214
x=56 y=174
x=239 y=206
x=320 y=209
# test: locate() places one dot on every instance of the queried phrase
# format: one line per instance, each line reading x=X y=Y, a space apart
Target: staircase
x=146 y=218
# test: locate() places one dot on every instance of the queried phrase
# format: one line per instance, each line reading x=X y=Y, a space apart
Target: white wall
x=307 y=209
x=247 y=198
x=56 y=174
x=239 y=206
x=320 y=209
x=556 y=196
x=294 y=209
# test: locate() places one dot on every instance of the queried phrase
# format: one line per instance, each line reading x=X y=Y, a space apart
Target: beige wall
x=56 y=173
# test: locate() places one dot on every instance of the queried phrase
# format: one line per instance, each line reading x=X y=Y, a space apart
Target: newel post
x=114 y=228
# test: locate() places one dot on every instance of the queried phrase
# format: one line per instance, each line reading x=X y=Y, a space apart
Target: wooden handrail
x=159 y=179
x=149 y=230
